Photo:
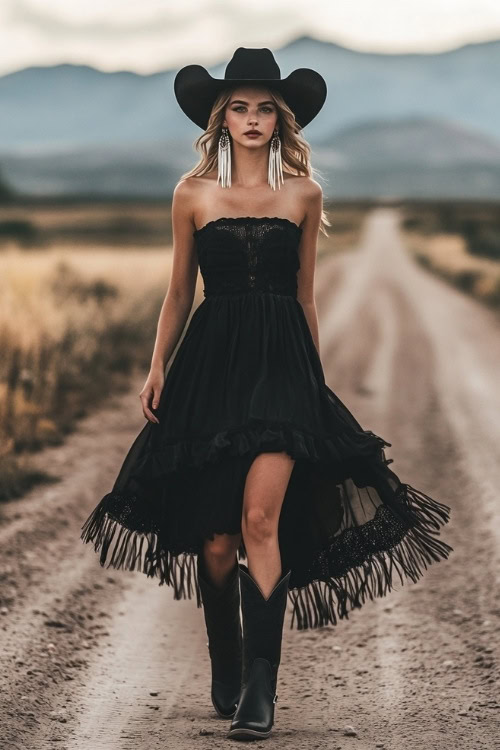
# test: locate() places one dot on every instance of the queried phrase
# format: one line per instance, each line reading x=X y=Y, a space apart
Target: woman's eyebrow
x=242 y=101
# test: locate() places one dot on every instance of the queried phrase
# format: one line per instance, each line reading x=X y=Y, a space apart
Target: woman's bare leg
x=265 y=489
x=219 y=556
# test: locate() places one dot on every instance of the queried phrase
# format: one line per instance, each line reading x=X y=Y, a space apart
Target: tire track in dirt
x=432 y=658
x=154 y=660
x=54 y=593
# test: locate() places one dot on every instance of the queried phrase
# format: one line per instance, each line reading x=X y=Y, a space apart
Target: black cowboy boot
x=221 y=608
x=262 y=635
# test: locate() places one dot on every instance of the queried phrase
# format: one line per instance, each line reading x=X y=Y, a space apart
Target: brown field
x=460 y=243
x=73 y=325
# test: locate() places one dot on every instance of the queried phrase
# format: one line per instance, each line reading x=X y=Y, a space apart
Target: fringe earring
x=224 y=159
x=275 y=170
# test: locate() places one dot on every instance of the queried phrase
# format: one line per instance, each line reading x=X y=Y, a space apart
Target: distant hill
x=414 y=157
x=72 y=127
x=409 y=158
x=431 y=141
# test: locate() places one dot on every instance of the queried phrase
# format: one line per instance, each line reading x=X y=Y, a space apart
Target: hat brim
x=304 y=90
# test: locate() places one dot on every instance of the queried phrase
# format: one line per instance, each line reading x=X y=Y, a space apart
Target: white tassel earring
x=224 y=159
x=275 y=170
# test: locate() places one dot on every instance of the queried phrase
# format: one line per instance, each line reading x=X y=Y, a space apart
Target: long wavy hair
x=295 y=150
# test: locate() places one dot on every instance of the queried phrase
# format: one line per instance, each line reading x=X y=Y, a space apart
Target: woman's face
x=251 y=108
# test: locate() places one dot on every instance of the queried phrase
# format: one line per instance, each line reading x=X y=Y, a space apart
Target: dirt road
x=96 y=659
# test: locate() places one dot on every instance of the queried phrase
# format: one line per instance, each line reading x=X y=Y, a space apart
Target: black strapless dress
x=247 y=378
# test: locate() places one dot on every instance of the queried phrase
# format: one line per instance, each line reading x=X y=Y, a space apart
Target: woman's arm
x=178 y=300
x=308 y=252
x=180 y=294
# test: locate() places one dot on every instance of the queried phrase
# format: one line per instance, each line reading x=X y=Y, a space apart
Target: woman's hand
x=150 y=394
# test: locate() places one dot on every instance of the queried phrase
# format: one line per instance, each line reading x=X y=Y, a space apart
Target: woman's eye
x=240 y=106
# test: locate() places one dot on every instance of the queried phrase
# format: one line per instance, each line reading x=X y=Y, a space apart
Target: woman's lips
x=253 y=135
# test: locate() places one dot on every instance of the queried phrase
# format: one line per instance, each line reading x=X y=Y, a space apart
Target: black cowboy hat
x=304 y=90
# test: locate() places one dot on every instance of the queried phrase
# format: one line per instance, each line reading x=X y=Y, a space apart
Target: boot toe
x=255 y=713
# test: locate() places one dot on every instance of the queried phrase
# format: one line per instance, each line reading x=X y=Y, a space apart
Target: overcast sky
x=150 y=35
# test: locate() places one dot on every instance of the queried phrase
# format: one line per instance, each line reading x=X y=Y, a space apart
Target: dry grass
x=344 y=234
x=73 y=325
x=447 y=255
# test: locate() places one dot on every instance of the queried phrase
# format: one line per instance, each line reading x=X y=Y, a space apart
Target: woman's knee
x=222 y=547
x=258 y=525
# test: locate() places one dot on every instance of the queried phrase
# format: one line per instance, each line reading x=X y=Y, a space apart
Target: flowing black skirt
x=247 y=379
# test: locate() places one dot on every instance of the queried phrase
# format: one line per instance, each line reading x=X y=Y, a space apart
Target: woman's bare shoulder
x=307 y=193
x=305 y=184
x=194 y=187
x=191 y=194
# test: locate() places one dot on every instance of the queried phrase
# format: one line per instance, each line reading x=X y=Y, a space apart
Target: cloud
x=54 y=24
x=145 y=37
x=116 y=19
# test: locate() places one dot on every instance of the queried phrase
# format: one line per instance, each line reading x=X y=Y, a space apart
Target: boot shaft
x=262 y=621
x=221 y=609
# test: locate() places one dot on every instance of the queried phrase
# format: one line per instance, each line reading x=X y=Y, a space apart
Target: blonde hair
x=295 y=150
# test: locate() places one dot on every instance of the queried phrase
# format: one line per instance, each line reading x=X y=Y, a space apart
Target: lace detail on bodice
x=249 y=254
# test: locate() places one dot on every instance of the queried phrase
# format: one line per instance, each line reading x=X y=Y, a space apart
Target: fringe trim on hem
x=320 y=603
x=178 y=571
x=315 y=605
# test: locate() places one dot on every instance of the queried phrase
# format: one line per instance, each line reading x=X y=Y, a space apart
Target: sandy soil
x=98 y=659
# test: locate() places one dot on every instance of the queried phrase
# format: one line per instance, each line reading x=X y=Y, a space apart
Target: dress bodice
x=248 y=254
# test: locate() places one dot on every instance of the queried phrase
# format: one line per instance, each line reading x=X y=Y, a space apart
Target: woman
x=247 y=453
